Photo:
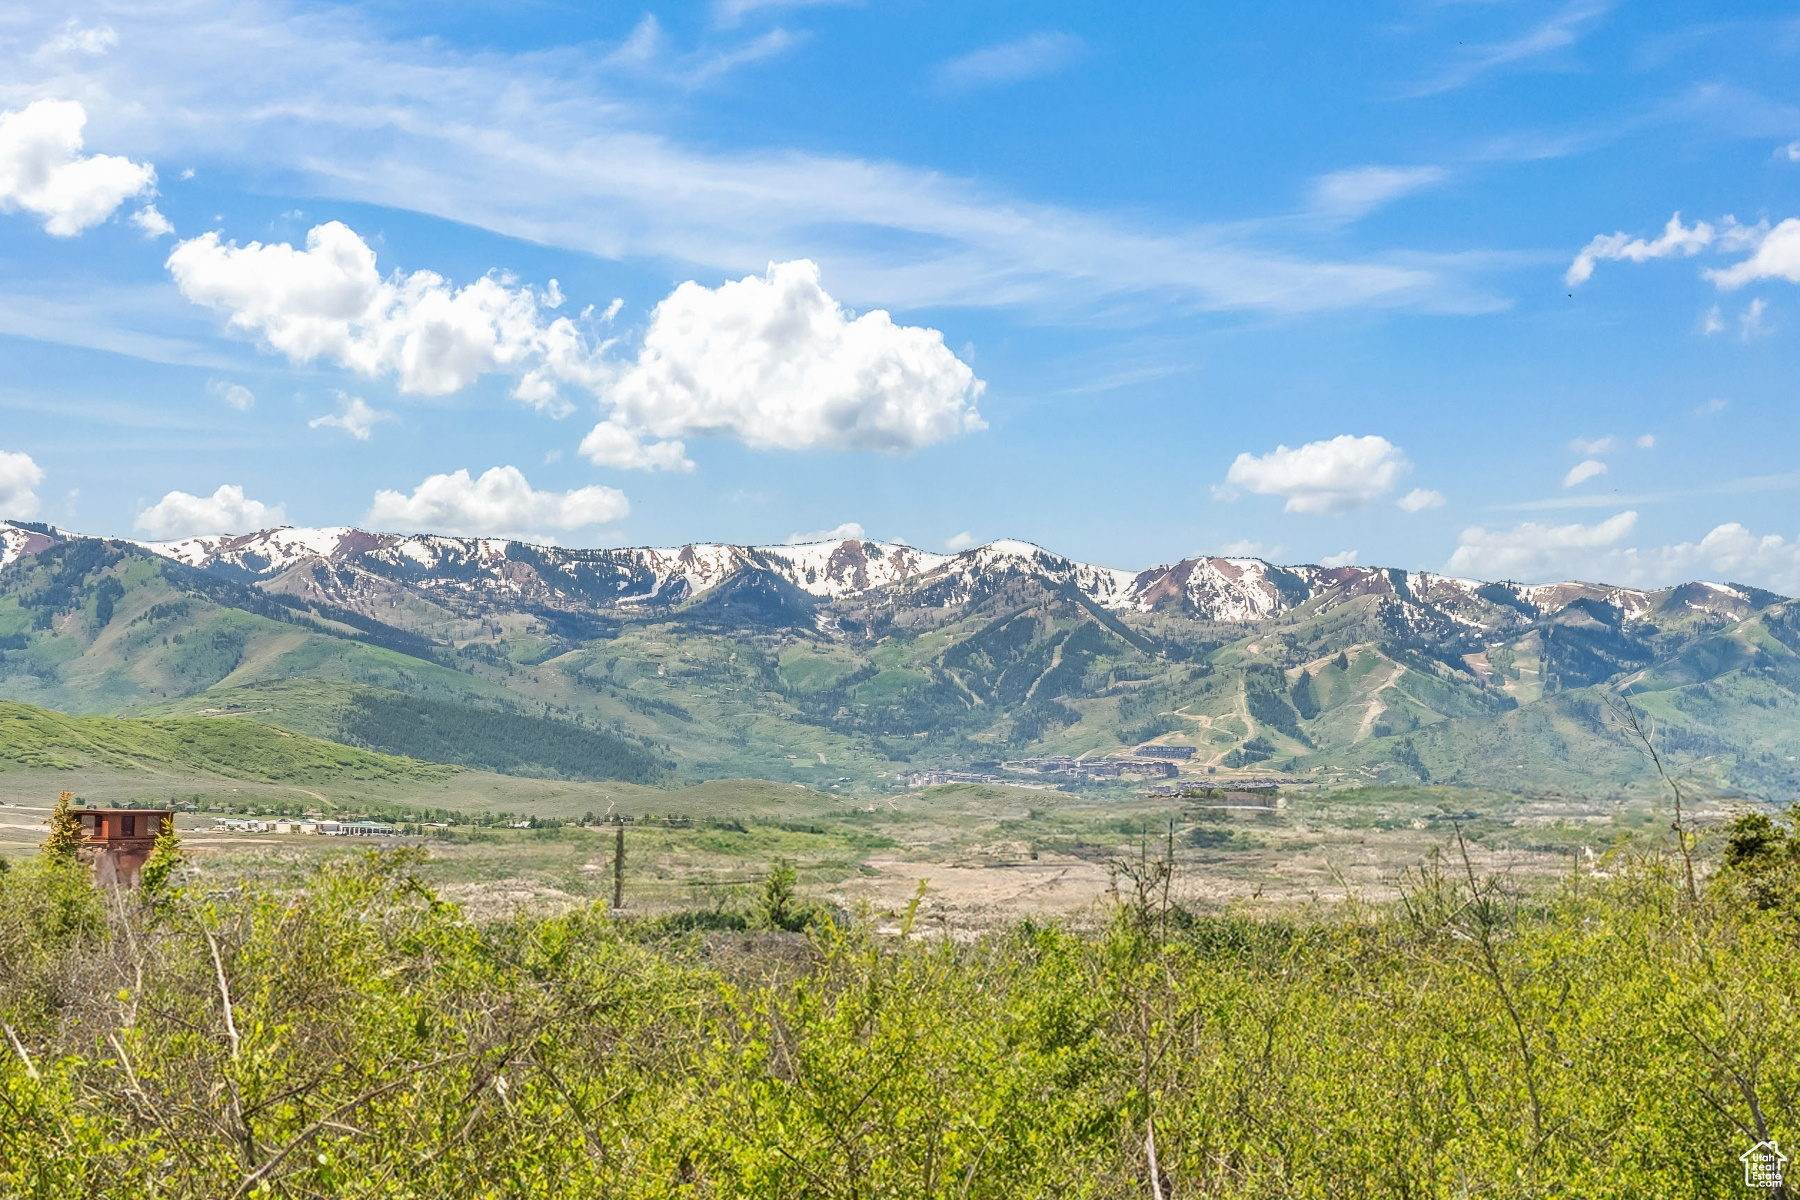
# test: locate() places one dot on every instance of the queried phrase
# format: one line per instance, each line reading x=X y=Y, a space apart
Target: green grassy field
x=991 y=854
x=231 y=748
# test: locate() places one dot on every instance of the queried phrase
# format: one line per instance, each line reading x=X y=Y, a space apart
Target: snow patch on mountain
x=269 y=551
x=1554 y=597
x=17 y=541
x=1221 y=589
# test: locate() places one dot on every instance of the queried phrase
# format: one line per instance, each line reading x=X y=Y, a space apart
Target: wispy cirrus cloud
x=1030 y=57
x=1356 y=192
x=1583 y=471
x=1420 y=499
x=649 y=52
x=1561 y=31
x=553 y=149
x=727 y=14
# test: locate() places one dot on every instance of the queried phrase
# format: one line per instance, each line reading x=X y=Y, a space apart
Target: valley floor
x=985 y=854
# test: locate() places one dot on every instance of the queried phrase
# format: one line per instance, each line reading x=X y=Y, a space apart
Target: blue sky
x=1300 y=281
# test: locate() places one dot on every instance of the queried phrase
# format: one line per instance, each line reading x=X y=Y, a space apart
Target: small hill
x=231 y=747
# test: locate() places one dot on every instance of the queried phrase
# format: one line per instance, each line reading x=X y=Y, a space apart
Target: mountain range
x=849 y=662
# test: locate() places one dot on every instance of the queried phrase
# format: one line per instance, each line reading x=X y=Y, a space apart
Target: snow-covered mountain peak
x=349 y=565
x=270 y=551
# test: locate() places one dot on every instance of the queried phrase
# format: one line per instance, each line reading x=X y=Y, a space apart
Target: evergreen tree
x=65 y=831
x=1305 y=699
x=781 y=908
x=165 y=856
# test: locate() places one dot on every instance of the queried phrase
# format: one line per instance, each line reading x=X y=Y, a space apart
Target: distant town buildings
x=1164 y=752
x=919 y=779
x=321 y=827
x=1063 y=766
x=1091 y=768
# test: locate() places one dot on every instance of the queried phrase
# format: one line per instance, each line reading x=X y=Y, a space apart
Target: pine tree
x=779 y=907
x=165 y=856
x=65 y=831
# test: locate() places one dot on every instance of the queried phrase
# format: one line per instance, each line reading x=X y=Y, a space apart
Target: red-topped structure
x=119 y=840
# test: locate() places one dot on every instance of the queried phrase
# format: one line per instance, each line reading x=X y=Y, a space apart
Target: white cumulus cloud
x=1646 y=441
x=1343 y=558
x=19 y=477
x=1321 y=477
x=234 y=394
x=329 y=301
x=356 y=418
x=848 y=531
x=1599 y=445
x=153 y=223
x=43 y=171
x=1730 y=553
x=1420 y=499
x=610 y=444
x=958 y=542
x=1777 y=257
x=1533 y=552
x=228 y=510
x=500 y=503
x=775 y=362
x=1583 y=471
x=1676 y=239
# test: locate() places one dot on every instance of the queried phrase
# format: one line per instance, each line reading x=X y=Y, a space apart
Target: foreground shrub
x=358 y=1037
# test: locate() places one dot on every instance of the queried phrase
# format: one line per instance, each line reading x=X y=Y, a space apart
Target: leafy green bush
x=1760 y=865
x=359 y=1037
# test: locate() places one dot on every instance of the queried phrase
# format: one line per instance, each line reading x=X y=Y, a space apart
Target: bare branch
x=25 y=1058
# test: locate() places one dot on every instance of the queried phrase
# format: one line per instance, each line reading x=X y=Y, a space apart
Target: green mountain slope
x=95 y=627
x=757 y=679
x=234 y=748
x=487 y=739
